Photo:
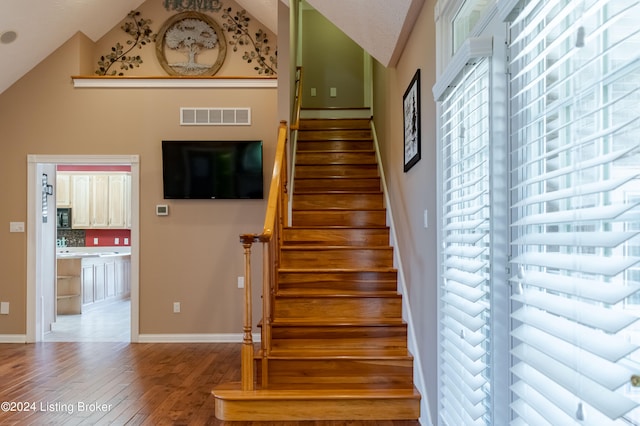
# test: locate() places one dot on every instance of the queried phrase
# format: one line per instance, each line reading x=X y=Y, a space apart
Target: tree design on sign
x=191 y=35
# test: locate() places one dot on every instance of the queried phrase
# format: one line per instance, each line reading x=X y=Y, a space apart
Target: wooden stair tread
x=337 y=192
x=301 y=292
x=334 y=227
x=341 y=353
x=335 y=322
x=234 y=391
x=345 y=151
x=307 y=247
x=336 y=270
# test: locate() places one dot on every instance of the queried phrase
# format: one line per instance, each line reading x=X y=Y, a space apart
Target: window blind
x=575 y=210
x=465 y=307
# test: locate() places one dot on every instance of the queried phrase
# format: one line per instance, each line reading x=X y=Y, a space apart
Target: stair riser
x=347 y=337
x=332 y=123
x=327 y=170
x=338 y=201
x=336 y=282
x=396 y=372
x=346 y=308
x=339 y=218
x=334 y=158
x=344 y=237
x=306 y=135
x=334 y=145
x=333 y=184
x=356 y=258
x=297 y=409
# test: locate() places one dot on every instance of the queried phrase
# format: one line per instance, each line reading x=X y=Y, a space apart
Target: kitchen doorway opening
x=46 y=244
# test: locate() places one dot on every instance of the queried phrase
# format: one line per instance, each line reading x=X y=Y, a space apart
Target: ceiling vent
x=215 y=116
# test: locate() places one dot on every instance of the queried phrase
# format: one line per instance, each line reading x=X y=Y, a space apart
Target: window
x=548 y=333
x=575 y=156
x=465 y=304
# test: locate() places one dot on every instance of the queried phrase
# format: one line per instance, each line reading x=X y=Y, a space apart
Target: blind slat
x=577 y=262
x=608 y=320
x=607 y=374
x=610 y=403
x=606 y=346
x=596 y=290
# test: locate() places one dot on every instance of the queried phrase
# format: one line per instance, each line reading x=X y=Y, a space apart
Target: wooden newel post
x=247 y=339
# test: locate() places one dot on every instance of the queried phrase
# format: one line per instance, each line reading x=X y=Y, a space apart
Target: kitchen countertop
x=81 y=252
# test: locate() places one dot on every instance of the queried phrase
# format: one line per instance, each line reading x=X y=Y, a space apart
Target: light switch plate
x=4 y=308
x=16 y=226
x=162 y=210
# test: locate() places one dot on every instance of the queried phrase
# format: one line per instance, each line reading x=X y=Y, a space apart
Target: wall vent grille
x=215 y=116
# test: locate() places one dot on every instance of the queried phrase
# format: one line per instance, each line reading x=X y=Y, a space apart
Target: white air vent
x=215 y=116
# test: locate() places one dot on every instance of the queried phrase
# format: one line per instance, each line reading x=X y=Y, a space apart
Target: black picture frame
x=411 y=122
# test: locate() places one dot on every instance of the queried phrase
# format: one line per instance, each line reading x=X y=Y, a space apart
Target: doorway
x=41 y=238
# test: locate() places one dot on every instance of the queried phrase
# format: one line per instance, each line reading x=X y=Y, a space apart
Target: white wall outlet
x=116 y=241
x=314 y=92
x=240 y=282
x=333 y=92
x=176 y=307
x=4 y=308
x=95 y=241
x=426 y=218
x=16 y=226
x=126 y=241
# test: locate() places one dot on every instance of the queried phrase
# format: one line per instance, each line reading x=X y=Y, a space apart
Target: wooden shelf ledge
x=116 y=82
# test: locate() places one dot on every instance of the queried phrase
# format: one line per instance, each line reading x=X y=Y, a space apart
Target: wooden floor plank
x=138 y=384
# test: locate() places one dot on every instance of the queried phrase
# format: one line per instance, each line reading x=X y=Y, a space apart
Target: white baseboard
x=13 y=338
x=194 y=338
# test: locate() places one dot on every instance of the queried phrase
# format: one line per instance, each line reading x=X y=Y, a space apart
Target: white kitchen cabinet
x=117 y=201
x=99 y=206
x=63 y=190
x=105 y=278
x=81 y=201
x=100 y=200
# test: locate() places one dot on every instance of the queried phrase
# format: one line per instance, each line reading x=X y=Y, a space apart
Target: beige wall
x=193 y=255
x=330 y=59
x=413 y=192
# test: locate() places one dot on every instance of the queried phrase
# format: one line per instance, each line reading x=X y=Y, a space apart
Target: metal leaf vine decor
x=238 y=27
x=138 y=28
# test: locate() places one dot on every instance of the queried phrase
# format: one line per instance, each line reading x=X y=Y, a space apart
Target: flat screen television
x=212 y=169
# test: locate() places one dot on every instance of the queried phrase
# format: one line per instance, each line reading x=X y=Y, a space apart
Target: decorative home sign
x=411 y=116
x=198 y=5
x=191 y=43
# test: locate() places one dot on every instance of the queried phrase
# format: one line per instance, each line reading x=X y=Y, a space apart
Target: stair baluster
x=275 y=220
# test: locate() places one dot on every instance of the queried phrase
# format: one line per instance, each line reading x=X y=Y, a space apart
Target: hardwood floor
x=118 y=383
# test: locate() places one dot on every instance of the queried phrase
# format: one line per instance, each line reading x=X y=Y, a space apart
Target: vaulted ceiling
x=380 y=27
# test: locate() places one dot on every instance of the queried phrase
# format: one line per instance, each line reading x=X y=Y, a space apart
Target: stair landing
x=367 y=403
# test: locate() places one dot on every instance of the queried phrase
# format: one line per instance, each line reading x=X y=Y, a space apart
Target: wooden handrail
x=275 y=219
x=297 y=102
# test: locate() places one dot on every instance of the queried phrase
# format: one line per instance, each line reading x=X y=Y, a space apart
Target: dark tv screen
x=212 y=169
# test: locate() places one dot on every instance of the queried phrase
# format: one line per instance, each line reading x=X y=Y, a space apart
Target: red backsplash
x=107 y=237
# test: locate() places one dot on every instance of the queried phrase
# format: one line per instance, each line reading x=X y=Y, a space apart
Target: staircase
x=338 y=347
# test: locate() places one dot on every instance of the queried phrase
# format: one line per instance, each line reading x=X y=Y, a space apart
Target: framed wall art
x=411 y=118
x=191 y=43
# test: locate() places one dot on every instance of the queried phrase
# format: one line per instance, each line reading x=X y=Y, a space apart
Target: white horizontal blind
x=465 y=312
x=575 y=194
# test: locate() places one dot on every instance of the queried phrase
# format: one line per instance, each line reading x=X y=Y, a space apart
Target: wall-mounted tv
x=212 y=169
